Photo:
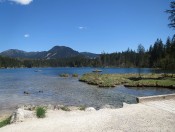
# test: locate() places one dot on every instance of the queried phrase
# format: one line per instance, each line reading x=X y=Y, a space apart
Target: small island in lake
x=130 y=80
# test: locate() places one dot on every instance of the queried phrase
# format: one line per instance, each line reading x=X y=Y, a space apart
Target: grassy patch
x=131 y=80
x=74 y=75
x=82 y=107
x=103 y=80
x=5 y=122
x=40 y=112
x=64 y=75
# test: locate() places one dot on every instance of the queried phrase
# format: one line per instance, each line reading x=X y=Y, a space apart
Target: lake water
x=66 y=91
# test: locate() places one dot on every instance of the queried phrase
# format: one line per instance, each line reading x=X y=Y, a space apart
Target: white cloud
x=22 y=2
x=26 y=35
x=82 y=28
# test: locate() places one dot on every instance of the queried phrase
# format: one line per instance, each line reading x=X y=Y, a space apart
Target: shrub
x=5 y=122
x=40 y=112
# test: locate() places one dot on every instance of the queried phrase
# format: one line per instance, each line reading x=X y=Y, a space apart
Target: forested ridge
x=159 y=55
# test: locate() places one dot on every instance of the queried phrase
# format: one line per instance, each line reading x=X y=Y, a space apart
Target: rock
x=108 y=107
x=72 y=108
x=27 y=107
x=58 y=107
x=51 y=107
x=25 y=92
x=20 y=115
x=125 y=105
x=90 y=109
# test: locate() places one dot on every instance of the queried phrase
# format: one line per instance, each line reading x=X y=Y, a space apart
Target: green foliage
x=172 y=14
x=40 y=112
x=5 y=122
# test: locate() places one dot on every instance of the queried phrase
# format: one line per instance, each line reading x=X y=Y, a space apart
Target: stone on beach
x=20 y=115
x=90 y=109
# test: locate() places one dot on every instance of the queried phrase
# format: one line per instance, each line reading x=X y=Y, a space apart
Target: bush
x=40 y=112
x=5 y=122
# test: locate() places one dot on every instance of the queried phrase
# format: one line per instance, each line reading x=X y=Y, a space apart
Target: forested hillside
x=159 y=55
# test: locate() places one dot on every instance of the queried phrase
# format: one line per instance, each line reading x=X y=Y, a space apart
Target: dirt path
x=137 y=117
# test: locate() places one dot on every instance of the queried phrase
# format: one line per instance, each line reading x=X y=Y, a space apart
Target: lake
x=66 y=91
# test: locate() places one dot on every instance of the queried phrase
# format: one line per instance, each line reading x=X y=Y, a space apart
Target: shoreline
x=134 y=117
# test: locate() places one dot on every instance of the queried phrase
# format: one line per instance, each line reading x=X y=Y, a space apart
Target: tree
x=172 y=15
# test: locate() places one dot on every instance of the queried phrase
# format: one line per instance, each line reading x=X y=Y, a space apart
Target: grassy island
x=130 y=80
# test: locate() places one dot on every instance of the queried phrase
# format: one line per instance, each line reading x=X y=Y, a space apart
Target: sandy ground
x=137 y=117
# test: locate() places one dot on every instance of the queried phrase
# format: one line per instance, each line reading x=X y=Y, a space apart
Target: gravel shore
x=136 y=117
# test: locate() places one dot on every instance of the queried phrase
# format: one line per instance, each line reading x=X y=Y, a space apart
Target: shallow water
x=66 y=91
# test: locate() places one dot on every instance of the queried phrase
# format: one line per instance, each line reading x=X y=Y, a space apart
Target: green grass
x=132 y=80
x=5 y=122
x=40 y=112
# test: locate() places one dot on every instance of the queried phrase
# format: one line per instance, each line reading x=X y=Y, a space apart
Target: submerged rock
x=25 y=92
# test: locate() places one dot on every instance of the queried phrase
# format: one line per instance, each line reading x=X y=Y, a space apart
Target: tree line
x=159 y=55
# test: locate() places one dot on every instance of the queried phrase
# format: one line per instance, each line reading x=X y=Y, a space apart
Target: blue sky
x=84 y=25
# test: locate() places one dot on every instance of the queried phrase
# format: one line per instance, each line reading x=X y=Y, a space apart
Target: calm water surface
x=66 y=91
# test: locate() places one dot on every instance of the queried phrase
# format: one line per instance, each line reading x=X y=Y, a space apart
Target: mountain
x=61 y=52
x=55 y=52
x=90 y=55
x=15 y=53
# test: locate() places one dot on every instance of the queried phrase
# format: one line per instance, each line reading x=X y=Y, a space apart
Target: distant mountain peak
x=53 y=53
